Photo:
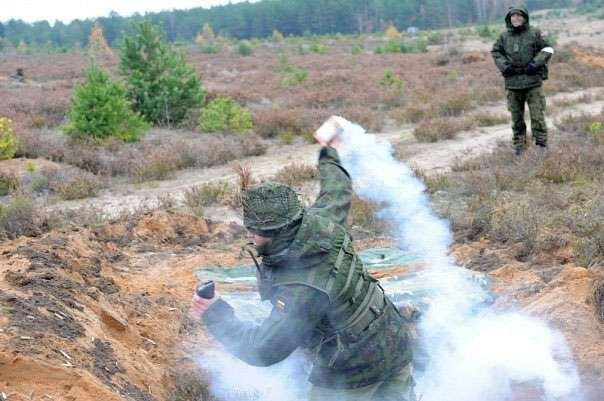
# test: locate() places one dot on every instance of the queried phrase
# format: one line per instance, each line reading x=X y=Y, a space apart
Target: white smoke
x=474 y=354
x=234 y=380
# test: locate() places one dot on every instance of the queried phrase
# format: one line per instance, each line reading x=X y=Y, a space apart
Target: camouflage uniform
x=522 y=54
x=323 y=300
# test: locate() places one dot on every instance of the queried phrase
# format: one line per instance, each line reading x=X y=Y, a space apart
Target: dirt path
x=430 y=157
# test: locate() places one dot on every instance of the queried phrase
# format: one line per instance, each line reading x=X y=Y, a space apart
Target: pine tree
x=97 y=45
x=100 y=109
x=206 y=39
x=277 y=36
x=160 y=83
x=392 y=33
x=22 y=47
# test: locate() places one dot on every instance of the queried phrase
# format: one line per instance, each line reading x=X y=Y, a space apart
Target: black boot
x=518 y=150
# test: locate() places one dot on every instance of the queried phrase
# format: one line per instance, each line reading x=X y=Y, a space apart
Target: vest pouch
x=544 y=72
x=367 y=318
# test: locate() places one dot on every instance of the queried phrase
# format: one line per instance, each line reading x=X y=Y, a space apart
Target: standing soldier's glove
x=531 y=69
x=509 y=71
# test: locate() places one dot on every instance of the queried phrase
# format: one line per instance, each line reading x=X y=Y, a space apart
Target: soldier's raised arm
x=335 y=195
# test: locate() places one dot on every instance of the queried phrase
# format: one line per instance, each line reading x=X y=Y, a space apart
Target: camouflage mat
x=414 y=288
x=375 y=258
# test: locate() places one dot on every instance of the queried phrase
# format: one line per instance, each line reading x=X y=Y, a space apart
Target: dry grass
x=19 y=216
x=154 y=158
x=537 y=202
x=9 y=182
x=296 y=174
x=199 y=197
x=442 y=128
x=362 y=217
x=489 y=120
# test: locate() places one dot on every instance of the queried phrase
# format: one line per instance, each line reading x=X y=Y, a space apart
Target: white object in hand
x=333 y=127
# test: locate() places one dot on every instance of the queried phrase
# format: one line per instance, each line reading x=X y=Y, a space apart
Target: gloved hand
x=510 y=71
x=530 y=69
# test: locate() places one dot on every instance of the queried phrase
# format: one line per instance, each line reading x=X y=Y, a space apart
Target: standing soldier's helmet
x=269 y=207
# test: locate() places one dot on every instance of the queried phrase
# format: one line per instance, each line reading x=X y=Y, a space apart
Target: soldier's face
x=517 y=20
x=258 y=240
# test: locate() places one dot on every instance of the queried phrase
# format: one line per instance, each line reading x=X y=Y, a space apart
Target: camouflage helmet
x=270 y=206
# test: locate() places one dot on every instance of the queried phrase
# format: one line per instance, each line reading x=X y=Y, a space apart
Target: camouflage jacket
x=323 y=300
x=517 y=47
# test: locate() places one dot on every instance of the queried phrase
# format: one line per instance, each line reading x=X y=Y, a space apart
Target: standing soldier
x=323 y=298
x=521 y=53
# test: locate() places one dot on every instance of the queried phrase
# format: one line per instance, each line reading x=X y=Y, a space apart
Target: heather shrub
x=516 y=222
x=100 y=109
x=435 y=38
x=392 y=80
x=8 y=144
x=438 y=129
x=488 y=120
x=295 y=76
x=224 y=115
x=391 y=46
x=362 y=216
x=18 y=217
x=9 y=182
x=159 y=164
x=245 y=48
x=197 y=198
x=160 y=83
x=357 y=49
x=588 y=222
x=456 y=105
x=296 y=174
x=415 y=112
x=287 y=137
x=79 y=187
x=534 y=203
x=317 y=47
x=70 y=183
x=272 y=123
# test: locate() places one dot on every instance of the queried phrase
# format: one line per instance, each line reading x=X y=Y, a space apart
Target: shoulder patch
x=280 y=304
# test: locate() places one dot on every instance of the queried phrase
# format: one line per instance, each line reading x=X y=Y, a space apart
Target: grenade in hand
x=206 y=290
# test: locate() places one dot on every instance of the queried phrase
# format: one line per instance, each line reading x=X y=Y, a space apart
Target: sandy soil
x=101 y=313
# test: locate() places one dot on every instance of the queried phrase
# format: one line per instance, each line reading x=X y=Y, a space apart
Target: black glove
x=531 y=69
x=509 y=71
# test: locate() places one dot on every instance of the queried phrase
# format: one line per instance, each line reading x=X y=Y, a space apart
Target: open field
x=99 y=242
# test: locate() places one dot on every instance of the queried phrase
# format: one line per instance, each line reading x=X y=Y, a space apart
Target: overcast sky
x=67 y=10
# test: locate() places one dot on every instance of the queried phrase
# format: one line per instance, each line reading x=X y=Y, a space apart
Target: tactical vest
x=322 y=257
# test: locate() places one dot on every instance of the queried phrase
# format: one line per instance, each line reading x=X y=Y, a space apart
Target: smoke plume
x=475 y=354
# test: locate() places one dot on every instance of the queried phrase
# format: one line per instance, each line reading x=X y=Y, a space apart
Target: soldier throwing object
x=521 y=53
x=323 y=298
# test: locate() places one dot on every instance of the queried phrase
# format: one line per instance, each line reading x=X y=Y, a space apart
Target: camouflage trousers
x=535 y=99
x=396 y=388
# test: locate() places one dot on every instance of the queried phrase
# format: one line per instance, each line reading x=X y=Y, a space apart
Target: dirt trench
x=100 y=313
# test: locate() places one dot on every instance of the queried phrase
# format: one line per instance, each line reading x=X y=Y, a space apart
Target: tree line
x=290 y=17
